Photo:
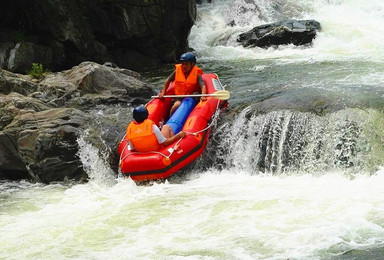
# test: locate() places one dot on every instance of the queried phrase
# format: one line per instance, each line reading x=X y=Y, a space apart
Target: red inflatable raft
x=168 y=160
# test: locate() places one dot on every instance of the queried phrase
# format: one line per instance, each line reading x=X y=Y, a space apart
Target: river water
x=293 y=169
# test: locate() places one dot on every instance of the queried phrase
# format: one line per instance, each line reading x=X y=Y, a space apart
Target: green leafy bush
x=37 y=71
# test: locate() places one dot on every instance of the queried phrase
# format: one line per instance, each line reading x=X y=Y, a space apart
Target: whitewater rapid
x=214 y=215
x=350 y=29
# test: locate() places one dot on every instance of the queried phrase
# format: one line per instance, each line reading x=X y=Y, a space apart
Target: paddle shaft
x=220 y=94
x=183 y=96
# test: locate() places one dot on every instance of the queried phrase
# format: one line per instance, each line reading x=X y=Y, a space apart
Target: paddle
x=220 y=94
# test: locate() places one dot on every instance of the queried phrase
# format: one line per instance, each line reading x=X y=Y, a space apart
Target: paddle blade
x=221 y=95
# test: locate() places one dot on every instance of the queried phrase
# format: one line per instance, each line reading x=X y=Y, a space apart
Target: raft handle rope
x=125 y=147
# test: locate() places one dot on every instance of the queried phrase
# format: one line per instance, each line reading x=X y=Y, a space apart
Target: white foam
x=215 y=215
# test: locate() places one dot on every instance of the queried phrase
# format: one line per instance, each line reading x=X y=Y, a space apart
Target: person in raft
x=187 y=79
x=143 y=134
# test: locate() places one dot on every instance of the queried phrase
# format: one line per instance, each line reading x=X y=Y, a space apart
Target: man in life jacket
x=187 y=79
x=144 y=135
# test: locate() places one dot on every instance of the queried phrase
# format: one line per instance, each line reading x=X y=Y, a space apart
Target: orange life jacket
x=142 y=136
x=186 y=86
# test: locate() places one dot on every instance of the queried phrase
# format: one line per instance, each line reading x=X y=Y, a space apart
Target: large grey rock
x=297 y=32
x=44 y=144
x=14 y=104
x=90 y=84
x=11 y=82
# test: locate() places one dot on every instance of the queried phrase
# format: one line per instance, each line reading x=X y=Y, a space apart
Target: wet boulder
x=297 y=32
x=90 y=84
x=43 y=145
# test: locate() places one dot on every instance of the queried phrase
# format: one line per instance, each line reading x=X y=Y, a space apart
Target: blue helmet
x=188 y=56
x=140 y=113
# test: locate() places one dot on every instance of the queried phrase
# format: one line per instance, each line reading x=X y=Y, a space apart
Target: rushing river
x=292 y=171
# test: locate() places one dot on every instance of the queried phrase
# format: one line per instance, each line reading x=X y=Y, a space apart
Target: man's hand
x=203 y=92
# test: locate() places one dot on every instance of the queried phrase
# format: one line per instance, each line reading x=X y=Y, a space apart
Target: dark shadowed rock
x=201 y=1
x=61 y=34
x=23 y=54
x=297 y=32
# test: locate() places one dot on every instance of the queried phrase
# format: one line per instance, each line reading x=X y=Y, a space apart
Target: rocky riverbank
x=41 y=120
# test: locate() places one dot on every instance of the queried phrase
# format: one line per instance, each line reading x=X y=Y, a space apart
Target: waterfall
x=286 y=142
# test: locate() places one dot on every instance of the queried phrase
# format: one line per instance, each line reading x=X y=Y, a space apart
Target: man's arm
x=202 y=86
x=172 y=139
x=166 y=141
x=166 y=84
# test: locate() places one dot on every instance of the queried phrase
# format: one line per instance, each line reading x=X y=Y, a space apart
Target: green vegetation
x=37 y=71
